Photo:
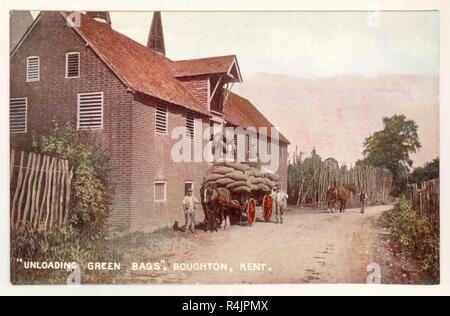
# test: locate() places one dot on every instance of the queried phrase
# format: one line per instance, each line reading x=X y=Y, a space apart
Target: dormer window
x=73 y=65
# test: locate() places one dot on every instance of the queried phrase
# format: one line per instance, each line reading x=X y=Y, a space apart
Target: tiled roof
x=201 y=66
x=140 y=68
x=147 y=72
x=241 y=112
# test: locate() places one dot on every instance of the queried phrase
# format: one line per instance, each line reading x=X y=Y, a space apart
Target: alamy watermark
x=228 y=144
x=374 y=276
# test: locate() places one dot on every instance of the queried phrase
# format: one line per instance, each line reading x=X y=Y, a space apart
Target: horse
x=341 y=194
x=215 y=214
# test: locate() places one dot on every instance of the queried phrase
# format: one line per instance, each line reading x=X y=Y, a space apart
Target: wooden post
x=34 y=189
x=61 y=192
x=49 y=186
x=16 y=193
x=68 y=193
x=23 y=191
x=29 y=189
x=11 y=167
x=53 y=210
x=39 y=204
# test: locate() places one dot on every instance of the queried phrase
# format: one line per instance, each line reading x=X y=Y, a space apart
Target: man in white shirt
x=280 y=204
x=189 y=204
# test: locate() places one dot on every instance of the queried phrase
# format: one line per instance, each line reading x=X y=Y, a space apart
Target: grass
x=70 y=245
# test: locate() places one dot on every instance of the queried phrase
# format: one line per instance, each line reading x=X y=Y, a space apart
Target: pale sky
x=300 y=44
x=376 y=64
x=325 y=79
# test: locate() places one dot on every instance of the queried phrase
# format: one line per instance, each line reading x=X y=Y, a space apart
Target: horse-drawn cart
x=249 y=208
x=232 y=191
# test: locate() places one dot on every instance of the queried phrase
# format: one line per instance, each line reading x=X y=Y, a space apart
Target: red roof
x=147 y=72
x=201 y=66
x=140 y=68
x=241 y=112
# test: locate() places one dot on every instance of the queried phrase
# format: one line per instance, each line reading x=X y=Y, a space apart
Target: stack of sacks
x=239 y=178
x=272 y=179
x=229 y=175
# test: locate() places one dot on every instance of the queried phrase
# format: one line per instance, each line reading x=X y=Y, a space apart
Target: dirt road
x=310 y=247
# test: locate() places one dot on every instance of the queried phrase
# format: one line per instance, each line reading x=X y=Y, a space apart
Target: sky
x=302 y=44
x=326 y=79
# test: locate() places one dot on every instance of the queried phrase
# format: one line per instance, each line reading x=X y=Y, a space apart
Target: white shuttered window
x=33 y=68
x=18 y=115
x=161 y=119
x=73 y=65
x=90 y=110
x=190 y=126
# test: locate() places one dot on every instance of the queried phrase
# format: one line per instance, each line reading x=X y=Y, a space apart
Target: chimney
x=102 y=16
x=156 y=35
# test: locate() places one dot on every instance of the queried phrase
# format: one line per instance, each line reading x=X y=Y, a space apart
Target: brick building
x=130 y=97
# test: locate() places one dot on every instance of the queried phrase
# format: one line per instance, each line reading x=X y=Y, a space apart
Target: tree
x=427 y=172
x=90 y=196
x=391 y=147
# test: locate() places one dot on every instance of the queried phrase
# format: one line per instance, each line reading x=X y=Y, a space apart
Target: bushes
x=417 y=236
x=90 y=197
x=84 y=240
x=60 y=244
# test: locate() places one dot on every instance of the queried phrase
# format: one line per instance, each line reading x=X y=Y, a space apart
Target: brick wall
x=54 y=97
x=138 y=156
x=151 y=161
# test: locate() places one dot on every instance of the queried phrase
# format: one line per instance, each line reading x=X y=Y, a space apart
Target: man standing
x=189 y=203
x=280 y=204
x=362 y=199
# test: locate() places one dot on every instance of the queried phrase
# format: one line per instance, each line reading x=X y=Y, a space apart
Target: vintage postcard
x=246 y=147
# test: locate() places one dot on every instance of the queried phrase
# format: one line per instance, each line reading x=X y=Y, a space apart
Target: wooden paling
x=40 y=191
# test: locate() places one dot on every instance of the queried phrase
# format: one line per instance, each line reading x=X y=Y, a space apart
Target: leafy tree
x=428 y=172
x=90 y=196
x=391 y=147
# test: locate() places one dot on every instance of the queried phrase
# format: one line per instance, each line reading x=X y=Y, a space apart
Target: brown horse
x=215 y=213
x=340 y=193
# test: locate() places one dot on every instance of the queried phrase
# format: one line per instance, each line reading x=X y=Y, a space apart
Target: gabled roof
x=144 y=71
x=210 y=65
x=140 y=68
x=241 y=112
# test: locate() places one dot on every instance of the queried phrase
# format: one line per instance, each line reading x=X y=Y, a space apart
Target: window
x=33 y=68
x=247 y=140
x=18 y=115
x=160 y=191
x=72 y=65
x=251 y=148
x=235 y=139
x=161 y=119
x=90 y=110
x=269 y=146
x=282 y=152
x=190 y=126
x=188 y=185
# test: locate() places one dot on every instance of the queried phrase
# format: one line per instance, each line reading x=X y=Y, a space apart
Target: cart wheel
x=251 y=211
x=267 y=207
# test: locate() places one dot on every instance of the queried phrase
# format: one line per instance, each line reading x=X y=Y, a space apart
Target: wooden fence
x=376 y=182
x=41 y=189
x=425 y=198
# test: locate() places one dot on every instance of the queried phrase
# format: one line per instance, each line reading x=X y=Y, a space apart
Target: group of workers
x=190 y=203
